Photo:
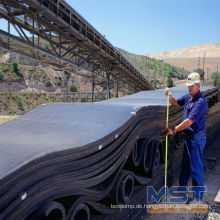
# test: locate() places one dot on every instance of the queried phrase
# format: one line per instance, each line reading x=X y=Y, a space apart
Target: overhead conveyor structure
x=78 y=161
x=52 y=32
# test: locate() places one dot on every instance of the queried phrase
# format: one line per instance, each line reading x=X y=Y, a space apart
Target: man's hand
x=167 y=91
x=171 y=99
x=169 y=131
x=180 y=127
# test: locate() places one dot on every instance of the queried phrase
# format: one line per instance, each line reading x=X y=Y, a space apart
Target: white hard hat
x=193 y=79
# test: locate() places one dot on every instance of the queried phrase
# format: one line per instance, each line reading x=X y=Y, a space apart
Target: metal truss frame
x=59 y=36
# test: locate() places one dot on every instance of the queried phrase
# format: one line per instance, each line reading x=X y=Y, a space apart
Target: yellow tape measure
x=166 y=139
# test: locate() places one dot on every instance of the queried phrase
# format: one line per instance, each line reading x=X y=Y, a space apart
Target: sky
x=141 y=26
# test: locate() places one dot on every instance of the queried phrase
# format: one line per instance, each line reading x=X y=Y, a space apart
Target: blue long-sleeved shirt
x=194 y=109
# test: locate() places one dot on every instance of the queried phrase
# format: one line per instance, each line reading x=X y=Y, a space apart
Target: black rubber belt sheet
x=65 y=149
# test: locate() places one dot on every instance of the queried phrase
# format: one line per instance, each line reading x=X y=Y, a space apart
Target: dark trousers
x=192 y=164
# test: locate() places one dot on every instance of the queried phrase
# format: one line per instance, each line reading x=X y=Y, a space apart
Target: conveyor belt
x=75 y=160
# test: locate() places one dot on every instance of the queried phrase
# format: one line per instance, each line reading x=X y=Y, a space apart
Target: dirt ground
x=4 y=118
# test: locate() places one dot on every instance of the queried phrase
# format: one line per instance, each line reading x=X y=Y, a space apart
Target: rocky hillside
x=26 y=83
x=192 y=57
x=160 y=73
x=22 y=74
x=30 y=75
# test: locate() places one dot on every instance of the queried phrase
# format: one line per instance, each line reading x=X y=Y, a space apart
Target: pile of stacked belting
x=77 y=161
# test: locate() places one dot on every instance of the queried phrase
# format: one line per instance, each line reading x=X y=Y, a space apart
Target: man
x=195 y=108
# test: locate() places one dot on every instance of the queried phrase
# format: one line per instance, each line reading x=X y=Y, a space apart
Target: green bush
x=19 y=103
x=48 y=83
x=155 y=83
x=215 y=76
x=15 y=66
x=72 y=87
x=169 y=82
x=46 y=46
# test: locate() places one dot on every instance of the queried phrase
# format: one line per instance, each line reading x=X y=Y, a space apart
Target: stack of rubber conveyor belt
x=76 y=161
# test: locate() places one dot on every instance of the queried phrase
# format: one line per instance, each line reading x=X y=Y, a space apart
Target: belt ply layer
x=79 y=150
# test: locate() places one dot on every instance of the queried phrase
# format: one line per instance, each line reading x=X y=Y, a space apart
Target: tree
x=200 y=72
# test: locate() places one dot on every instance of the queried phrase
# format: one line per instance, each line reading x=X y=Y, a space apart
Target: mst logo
x=174 y=194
